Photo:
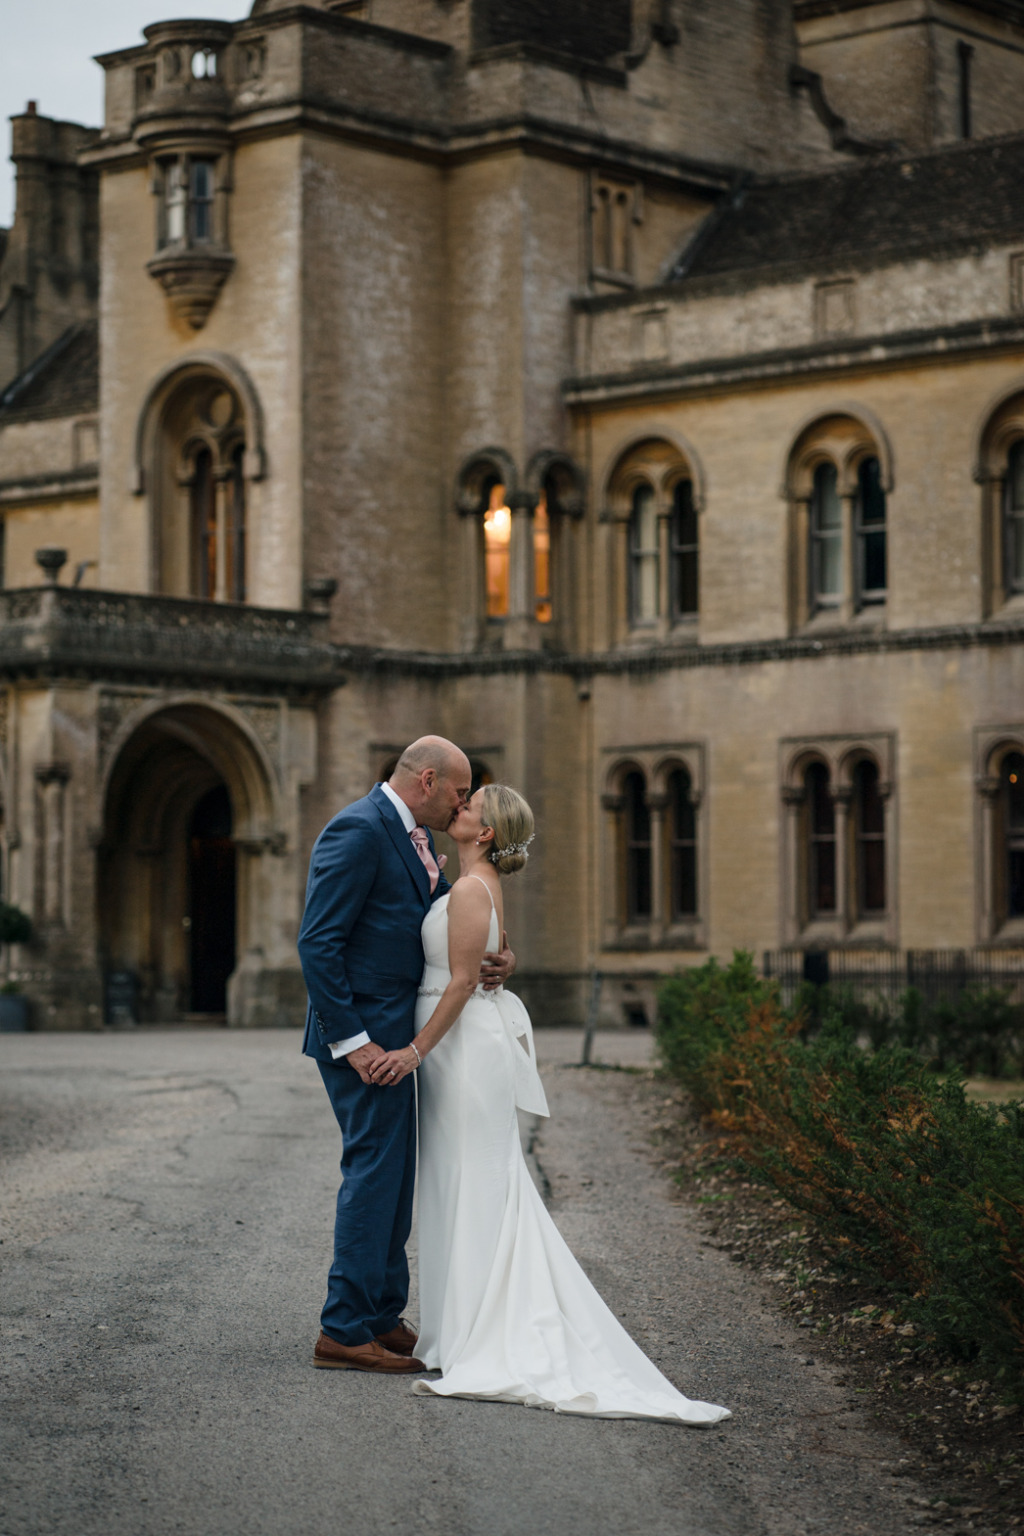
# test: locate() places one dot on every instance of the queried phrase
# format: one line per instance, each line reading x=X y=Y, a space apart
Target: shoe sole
x=367 y=1370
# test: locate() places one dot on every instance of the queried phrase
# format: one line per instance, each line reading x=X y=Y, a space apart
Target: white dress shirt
x=341 y=1048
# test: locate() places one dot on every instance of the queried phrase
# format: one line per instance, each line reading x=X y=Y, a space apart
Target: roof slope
x=963 y=194
x=63 y=381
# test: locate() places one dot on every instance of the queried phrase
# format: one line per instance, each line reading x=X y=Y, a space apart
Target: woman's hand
x=389 y=1069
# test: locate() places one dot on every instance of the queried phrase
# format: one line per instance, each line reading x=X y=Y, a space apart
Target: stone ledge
x=860 y=352
x=53 y=486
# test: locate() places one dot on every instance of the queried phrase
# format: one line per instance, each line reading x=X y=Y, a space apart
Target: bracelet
x=419 y=1058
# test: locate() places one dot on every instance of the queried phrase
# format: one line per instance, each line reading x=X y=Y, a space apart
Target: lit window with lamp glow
x=497 y=539
x=542 y=562
x=1012 y=816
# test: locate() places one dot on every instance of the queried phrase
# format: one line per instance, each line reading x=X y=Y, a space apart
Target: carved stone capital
x=793 y=795
x=842 y=796
x=987 y=785
x=614 y=803
x=52 y=773
x=319 y=591
x=656 y=801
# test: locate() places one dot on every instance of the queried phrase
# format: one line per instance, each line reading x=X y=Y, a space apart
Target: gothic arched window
x=1013 y=520
x=839 y=473
x=1011 y=818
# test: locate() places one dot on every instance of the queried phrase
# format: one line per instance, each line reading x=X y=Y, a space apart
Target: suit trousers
x=368 y=1284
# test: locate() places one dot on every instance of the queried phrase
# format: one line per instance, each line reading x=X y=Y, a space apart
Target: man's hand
x=363 y=1058
x=496 y=969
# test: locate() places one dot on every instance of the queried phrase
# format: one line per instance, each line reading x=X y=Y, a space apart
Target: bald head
x=433 y=777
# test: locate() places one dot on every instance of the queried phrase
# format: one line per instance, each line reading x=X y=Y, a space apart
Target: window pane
x=826 y=533
x=542 y=562
x=643 y=543
x=828 y=506
x=1013 y=781
x=497 y=536
x=821 y=842
x=683 y=848
x=204 y=527
x=237 y=531
x=174 y=200
x=638 y=849
x=873 y=576
x=870 y=493
x=823 y=814
x=684 y=551
x=202 y=200
x=1015 y=477
x=869 y=831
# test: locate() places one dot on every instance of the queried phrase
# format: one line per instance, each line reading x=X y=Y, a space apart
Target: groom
x=372 y=879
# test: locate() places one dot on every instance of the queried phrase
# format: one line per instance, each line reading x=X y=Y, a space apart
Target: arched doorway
x=179 y=898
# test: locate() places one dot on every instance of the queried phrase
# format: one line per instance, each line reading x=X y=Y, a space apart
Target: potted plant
x=15 y=928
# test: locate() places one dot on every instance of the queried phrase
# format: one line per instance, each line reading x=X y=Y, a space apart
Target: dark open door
x=211 y=902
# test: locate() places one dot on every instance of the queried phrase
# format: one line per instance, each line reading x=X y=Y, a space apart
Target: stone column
x=613 y=805
x=987 y=786
x=846 y=896
x=793 y=799
x=51 y=779
x=656 y=802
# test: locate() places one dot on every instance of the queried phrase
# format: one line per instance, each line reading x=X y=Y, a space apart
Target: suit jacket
x=359 y=942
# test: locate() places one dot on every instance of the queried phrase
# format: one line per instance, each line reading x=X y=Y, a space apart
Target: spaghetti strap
x=487 y=888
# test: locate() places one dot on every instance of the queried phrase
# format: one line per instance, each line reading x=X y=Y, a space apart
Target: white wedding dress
x=506 y=1313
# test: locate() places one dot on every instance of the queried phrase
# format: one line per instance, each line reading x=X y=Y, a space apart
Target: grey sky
x=46 y=55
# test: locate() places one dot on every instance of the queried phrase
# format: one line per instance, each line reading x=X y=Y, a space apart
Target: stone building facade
x=633 y=392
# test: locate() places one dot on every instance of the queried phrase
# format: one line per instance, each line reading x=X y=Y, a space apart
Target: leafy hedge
x=909 y=1180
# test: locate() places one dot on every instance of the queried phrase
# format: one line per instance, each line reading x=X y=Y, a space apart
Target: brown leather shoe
x=363 y=1357
x=400 y=1340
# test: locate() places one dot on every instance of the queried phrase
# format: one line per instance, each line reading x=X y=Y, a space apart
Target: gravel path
x=167 y=1200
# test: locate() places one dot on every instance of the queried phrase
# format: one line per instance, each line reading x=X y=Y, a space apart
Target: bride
x=506 y=1312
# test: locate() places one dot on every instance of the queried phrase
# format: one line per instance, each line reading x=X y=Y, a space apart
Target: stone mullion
x=657 y=804
x=223 y=489
x=846 y=896
x=613 y=806
x=520 y=627
x=793 y=798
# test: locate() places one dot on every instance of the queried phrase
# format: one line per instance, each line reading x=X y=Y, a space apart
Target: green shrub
x=906 y=1177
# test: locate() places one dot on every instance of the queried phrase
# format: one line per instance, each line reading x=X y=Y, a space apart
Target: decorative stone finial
x=50 y=559
x=319 y=591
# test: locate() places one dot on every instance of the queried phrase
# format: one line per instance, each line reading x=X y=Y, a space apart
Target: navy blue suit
x=362 y=958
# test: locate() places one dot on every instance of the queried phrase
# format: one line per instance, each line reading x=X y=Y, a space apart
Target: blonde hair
x=505 y=810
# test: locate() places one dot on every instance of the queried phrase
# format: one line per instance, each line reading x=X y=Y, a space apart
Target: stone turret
x=48 y=271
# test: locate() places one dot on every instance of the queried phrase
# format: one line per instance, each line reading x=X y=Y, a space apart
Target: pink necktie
x=422 y=845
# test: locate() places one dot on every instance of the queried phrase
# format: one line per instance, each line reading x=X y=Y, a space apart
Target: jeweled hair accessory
x=504 y=853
